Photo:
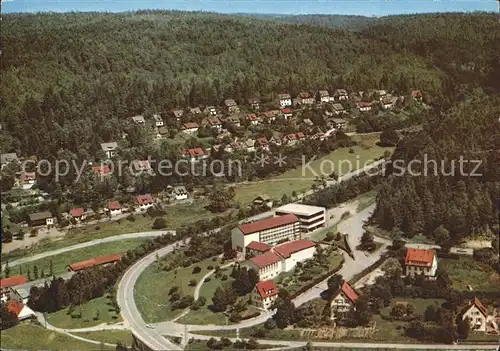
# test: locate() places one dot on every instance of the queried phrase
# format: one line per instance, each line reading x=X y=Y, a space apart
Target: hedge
x=317 y=280
x=348 y=247
x=251 y=315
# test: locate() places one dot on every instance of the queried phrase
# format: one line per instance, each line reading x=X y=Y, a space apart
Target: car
x=150 y=326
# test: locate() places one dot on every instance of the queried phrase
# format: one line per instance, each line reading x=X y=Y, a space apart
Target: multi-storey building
x=421 y=261
x=264 y=294
x=311 y=217
x=269 y=231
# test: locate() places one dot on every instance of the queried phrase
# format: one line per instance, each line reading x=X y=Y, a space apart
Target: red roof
x=262 y=141
x=416 y=93
x=265 y=259
x=267 y=288
x=77 y=212
x=78 y=266
x=26 y=176
x=258 y=246
x=286 y=110
x=104 y=169
x=349 y=292
x=15 y=307
x=196 y=152
x=288 y=248
x=364 y=104
x=214 y=121
x=291 y=136
x=190 y=125
x=114 y=205
x=300 y=135
x=387 y=101
x=144 y=199
x=252 y=117
x=268 y=223
x=13 y=281
x=480 y=306
x=419 y=257
x=141 y=164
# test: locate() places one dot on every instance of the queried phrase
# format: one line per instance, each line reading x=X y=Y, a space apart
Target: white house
x=114 y=208
x=138 y=120
x=109 y=148
x=144 y=201
x=190 y=128
x=250 y=145
x=287 y=113
x=324 y=96
x=343 y=301
x=421 y=261
x=78 y=214
x=264 y=294
x=285 y=100
x=364 y=106
x=477 y=315
x=338 y=108
x=341 y=94
x=386 y=103
x=158 y=120
x=180 y=192
x=214 y=122
x=253 y=119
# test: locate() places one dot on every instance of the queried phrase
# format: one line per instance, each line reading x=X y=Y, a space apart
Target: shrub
x=159 y=223
x=235 y=317
x=97 y=227
x=329 y=236
x=192 y=282
x=196 y=270
x=345 y=215
x=131 y=218
x=338 y=237
x=224 y=277
x=207 y=279
x=173 y=290
x=210 y=267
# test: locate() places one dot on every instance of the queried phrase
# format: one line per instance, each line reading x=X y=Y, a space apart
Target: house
x=319 y=136
x=477 y=315
x=339 y=123
x=210 y=110
x=140 y=166
x=250 y=145
x=269 y=231
x=287 y=113
x=306 y=98
x=417 y=95
x=21 y=310
x=235 y=146
x=338 y=109
x=257 y=248
x=234 y=120
x=27 y=179
x=421 y=261
x=195 y=111
x=8 y=158
x=144 y=201
x=381 y=94
x=308 y=122
x=231 y=106
x=78 y=214
x=275 y=140
x=96 y=261
x=41 y=218
x=290 y=139
x=196 y=154
x=190 y=128
x=114 y=208
x=263 y=144
x=214 y=122
x=101 y=170
x=264 y=294
x=323 y=96
x=7 y=283
x=263 y=200
x=343 y=301
x=254 y=120
x=178 y=114
x=296 y=102
x=285 y=100
x=255 y=103
x=387 y=103
x=138 y=120
x=162 y=132
x=270 y=116
x=180 y=192
x=158 y=121
x=341 y=94
x=300 y=136
x=109 y=148
x=364 y=106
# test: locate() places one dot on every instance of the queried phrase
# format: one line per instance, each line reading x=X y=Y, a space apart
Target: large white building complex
x=311 y=217
x=268 y=231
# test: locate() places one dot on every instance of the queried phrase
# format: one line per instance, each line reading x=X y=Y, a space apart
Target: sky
x=343 y=7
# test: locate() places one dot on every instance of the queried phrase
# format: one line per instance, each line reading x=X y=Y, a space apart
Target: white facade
x=158 y=120
x=311 y=217
x=239 y=240
x=267 y=272
x=49 y=221
x=115 y=212
x=286 y=102
x=476 y=318
x=299 y=256
x=190 y=130
x=340 y=305
x=264 y=303
x=427 y=271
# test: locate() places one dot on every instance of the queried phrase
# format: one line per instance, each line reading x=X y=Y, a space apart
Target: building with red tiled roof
x=343 y=301
x=96 y=261
x=144 y=201
x=476 y=314
x=114 y=208
x=421 y=261
x=268 y=265
x=21 y=311
x=286 y=250
x=264 y=294
x=12 y=281
x=101 y=170
x=364 y=106
x=77 y=213
x=190 y=127
x=257 y=247
x=197 y=153
x=254 y=120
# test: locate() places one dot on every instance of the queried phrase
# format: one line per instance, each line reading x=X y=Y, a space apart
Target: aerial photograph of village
x=243 y=175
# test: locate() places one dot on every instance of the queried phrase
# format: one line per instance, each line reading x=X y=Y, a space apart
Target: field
x=27 y=336
x=89 y=311
x=152 y=287
x=108 y=336
x=301 y=178
x=60 y=261
x=465 y=271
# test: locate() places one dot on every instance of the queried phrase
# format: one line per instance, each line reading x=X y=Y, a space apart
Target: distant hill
x=345 y=22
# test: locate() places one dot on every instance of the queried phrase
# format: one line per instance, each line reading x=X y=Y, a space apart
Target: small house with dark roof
x=254 y=102
x=323 y=96
x=343 y=301
x=41 y=218
x=264 y=294
x=263 y=200
x=285 y=100
x=109 y=148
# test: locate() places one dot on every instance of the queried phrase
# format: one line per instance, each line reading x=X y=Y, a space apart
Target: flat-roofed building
x=311 y=217
x=269 y=231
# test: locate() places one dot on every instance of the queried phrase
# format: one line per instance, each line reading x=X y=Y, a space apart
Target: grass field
x=108 y=336
x=27 y=336
x=60 y=262
x=152 y=287
x=465 y=271
x=89 y=310
x=365 y=200
x=301 y=178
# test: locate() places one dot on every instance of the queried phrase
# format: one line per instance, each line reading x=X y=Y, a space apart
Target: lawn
x=365 y=200
x=301 y=178
x=88 y=310
x=109 y=336
x=152 y=287
x=26 y=336
x=60 y=261
x=465 y=271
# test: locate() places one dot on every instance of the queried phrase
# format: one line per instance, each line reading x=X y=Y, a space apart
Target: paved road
x=87 y=244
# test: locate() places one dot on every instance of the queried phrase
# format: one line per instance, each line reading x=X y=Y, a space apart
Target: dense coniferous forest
x=454 y=201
